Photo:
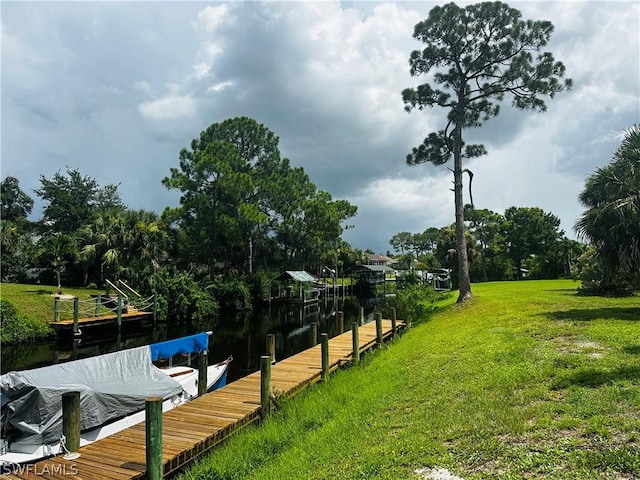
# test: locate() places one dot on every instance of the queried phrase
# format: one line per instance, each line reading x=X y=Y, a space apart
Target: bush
x=596 y=280
x=18 y=328
x=231 y=292
x=181 y=298
x=416 y=301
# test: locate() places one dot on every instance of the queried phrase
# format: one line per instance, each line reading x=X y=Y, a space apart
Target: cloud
x=168 y=108
x=128 y=84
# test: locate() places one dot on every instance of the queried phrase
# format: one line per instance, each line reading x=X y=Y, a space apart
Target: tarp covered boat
x=113 y=388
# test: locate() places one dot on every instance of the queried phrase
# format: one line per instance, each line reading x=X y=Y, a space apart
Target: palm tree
x=58 y=250
x=612 y=197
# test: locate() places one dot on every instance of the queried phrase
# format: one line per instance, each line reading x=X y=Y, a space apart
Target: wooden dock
x=64 y=325
x=191 y=429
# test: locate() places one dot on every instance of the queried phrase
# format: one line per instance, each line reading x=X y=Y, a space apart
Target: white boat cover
x=111 y=386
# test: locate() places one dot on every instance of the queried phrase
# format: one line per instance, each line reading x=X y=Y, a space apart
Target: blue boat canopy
x=191 y=344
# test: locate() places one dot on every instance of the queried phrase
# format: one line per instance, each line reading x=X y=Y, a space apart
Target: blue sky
x=116 y=89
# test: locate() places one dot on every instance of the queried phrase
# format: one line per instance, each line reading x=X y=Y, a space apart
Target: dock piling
x=324 y=342
x=356 y=342
x=314 y=334
x=56 y=309
x=394 y=321
x=76 y=311
x=153 y=437
x=71 y=420
x=119 y=312
x=203 y=363
x=271 y=347
x=378 y=317
x=340 y=322
x=265 y=385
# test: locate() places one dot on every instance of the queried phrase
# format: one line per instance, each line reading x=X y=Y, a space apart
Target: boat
x=113 y=388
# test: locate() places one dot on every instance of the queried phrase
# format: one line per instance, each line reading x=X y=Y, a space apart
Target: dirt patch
x=63 y=296
x=436 y=474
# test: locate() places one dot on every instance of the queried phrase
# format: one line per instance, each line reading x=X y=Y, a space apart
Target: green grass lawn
x=527 y=380
x=34 y=306
x=36 y=301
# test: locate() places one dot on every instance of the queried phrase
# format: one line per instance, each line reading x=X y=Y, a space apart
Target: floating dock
x=190 y=430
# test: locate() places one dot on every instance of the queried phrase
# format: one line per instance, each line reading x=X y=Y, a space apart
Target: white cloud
x=168 y=108
x=218 y=87
x=211 y=17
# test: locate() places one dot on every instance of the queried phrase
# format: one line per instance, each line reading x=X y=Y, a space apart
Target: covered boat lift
x=296 y=286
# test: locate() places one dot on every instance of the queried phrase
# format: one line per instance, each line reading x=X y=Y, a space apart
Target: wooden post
x=119 y=312
x=378 y=328
x=153 y=438
x=324 y=342
x=71 y=420
x=314 y=334
x=56 y=309
x=154 y=299
x=76 y=312
x=98 y=303
x=340 y=322
x=203 y=363
x=265 y=385
x=271 y=347
x=394 y=321
x=361 y=316
x=355 y=342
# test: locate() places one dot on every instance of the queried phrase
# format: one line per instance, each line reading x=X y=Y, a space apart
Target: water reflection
x=241 y=334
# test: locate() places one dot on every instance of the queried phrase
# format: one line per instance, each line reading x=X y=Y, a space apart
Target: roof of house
x=379 y=258
x=374 y=268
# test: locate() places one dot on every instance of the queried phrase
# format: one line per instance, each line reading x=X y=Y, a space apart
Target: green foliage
x=73 y=200
x=598 y=281
x=241 y=200
x=529 y=231
x=14 y=203
x=415 y=301
x=19 y=251
x=182 y=298
x=231 y=293
x=259 y=285
x=17 y=328
x=612 y=220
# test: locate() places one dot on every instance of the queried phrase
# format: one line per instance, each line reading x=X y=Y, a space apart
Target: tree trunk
x=461 y=242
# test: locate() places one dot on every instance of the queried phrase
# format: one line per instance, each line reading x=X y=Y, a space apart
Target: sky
x=117 y=89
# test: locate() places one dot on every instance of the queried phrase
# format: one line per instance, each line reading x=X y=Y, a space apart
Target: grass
x=527 y=380
x=34 y=306
x=36 y=301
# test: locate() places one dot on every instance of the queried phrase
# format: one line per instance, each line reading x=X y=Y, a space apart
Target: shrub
x=18 y=328
x=231 y=292
x=181 y=298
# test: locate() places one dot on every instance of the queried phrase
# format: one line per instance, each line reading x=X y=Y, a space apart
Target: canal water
x=240 y=334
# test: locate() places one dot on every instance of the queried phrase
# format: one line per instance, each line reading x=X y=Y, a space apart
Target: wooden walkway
x=193 y=428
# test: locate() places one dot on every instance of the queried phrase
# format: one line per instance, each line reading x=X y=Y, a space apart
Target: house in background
x=375 y=259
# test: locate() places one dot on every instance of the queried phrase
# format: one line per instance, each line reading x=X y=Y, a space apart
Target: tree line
x=522 y=242
x=244 y=212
